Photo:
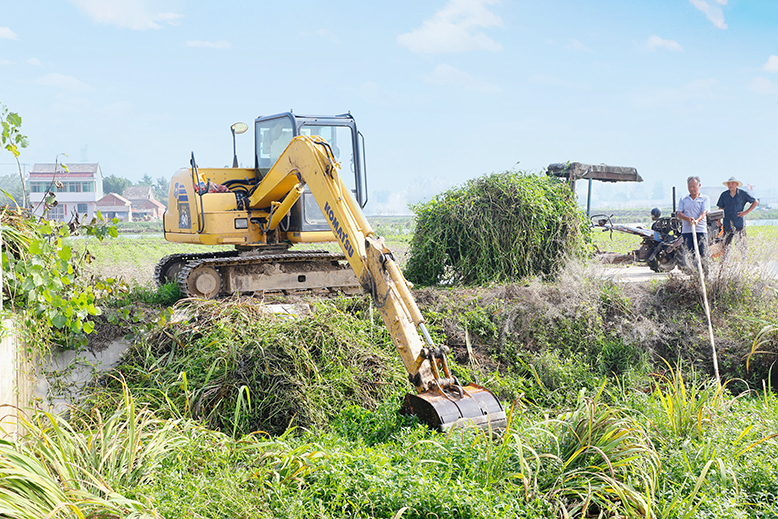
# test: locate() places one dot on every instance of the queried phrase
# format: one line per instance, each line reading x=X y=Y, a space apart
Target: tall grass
x=606 y=462
x=59 y=470
x=681 y=408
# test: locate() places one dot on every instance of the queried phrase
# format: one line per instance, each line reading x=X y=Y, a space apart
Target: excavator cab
x=273 y=134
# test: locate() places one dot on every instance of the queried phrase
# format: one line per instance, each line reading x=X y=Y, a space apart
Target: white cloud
x=763 y=86
x=7 y=34
x=6 y=62
x=455 y=28
x=62 y=82
x=68 y=104
x=371 y=92
x=552 y=81
x=327 y=35
x=34 y=61
x=170 y=18
x=120 y=109
x=324 y=34
x=688 y=94
x=577 y=46
x=713 y=13
x=772 y=64
x=445 y=75
x=701 y=86
x=655 y=42
x=128 y=14
x=221 y=44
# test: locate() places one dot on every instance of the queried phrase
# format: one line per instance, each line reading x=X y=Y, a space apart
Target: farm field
x=132 y=257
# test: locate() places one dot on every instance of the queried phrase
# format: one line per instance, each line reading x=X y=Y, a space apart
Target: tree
x=659 y=191
x=12 y=139
x=146 y=180
x=12 y=189
x=114 y=184
x=161 y=189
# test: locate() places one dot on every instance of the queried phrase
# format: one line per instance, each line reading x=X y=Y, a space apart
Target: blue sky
x=443 y=91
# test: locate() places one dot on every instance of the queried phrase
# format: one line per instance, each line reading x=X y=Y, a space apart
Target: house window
x=38 y=187
x=56 y=213
x=82 y=208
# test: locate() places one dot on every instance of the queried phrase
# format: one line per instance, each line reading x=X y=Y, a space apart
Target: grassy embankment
x=599 y=419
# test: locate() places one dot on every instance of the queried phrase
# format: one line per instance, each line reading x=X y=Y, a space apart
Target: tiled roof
x=110 y=197
x=151 y=204
x=82 y=168
x=138 y=193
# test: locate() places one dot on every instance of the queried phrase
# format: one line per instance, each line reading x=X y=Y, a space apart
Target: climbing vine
x=42 y=272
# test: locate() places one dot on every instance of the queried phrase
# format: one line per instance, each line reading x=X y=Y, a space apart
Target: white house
x=77 y=189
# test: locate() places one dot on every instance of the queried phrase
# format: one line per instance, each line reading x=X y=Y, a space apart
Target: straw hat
x=733 y=179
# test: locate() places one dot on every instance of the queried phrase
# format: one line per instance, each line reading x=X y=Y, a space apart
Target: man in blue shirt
x=734 y=202
x=692 y=211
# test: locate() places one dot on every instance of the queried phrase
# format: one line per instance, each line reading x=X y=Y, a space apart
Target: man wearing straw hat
x=734 y=201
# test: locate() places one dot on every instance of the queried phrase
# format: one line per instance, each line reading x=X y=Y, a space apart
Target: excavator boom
x=440 y=401
x=295 y=194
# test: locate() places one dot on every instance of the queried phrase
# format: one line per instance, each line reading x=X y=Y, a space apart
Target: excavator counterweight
x=295 y=194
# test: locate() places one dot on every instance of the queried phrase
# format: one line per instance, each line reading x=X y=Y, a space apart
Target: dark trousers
x=738 y=234
x=702 y=244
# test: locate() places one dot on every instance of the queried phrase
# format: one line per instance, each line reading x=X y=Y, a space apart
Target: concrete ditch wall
x=17 y=380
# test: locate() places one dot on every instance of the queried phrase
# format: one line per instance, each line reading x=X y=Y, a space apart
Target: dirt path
x=631 y=273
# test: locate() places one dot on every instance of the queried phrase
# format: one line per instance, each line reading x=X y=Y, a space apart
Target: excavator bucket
x=444 y=410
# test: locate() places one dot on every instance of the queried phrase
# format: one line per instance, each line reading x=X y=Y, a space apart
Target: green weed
x=497 y=228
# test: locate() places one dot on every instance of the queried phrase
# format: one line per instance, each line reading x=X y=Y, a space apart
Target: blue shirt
x=734 y=204
x=693 y=209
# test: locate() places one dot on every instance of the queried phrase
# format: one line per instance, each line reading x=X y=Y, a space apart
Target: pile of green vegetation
x=240 y=369
x=497 y=228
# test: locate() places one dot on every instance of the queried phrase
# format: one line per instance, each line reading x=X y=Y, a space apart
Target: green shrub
x=496 y=228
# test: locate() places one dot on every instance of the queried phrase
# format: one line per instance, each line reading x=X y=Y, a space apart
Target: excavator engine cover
x=443 y=410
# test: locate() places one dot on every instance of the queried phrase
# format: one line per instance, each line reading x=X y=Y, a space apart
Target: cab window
x=340 y=140
x=273 y=136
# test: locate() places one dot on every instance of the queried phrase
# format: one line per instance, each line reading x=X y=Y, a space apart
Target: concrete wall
x=17 y=380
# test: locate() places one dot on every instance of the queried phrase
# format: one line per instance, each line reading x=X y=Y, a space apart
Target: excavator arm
x=441 y=401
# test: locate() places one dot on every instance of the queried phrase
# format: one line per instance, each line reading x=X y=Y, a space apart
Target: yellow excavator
x=296 y=194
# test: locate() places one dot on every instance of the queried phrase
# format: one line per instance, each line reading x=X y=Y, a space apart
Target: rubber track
x=187 y=257
x=260 y=259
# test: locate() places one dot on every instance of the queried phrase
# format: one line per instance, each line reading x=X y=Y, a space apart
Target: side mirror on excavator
x=237 y=128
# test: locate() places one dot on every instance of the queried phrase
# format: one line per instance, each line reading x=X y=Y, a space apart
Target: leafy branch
x=12 y=139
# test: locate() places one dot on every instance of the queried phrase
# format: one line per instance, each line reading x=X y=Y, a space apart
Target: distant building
x=115 y=206
x=138 y=193
x=148 y=210
x=77 y=189
x=144 y=205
